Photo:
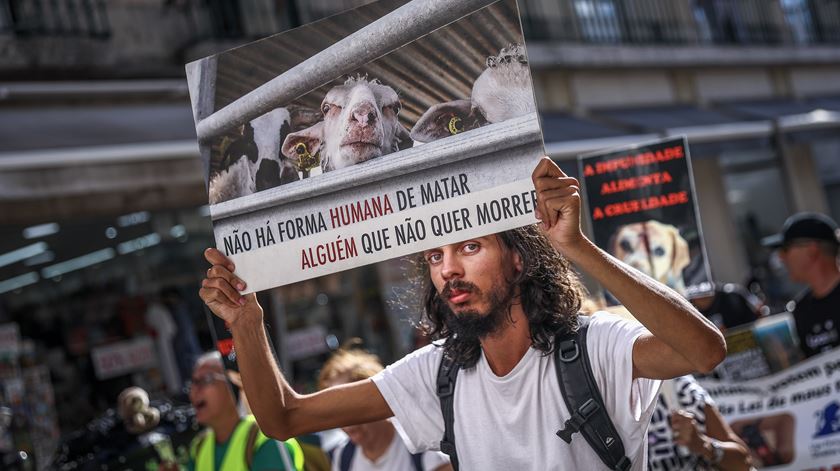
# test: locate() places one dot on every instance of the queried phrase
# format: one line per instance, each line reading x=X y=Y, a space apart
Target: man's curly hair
x=549 y=291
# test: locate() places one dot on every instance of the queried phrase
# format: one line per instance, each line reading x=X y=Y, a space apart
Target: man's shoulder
x=422 y=362
x=802 y=300
x=805 y=301
x=432 y=351
x=610 y=335
x=834 y=296
x=606 y=320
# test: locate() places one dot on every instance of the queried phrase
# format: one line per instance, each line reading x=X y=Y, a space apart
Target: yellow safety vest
x=203 y=448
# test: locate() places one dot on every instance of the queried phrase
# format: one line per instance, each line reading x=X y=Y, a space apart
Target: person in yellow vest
x=231 y=442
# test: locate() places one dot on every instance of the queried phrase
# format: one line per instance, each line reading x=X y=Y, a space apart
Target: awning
x=800 y=120
x=75 y=158
x=709 y=131
x=831 y=103
x=567 y=136
x=51 y=127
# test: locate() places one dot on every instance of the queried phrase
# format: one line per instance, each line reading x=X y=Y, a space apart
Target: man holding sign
x=500 y=301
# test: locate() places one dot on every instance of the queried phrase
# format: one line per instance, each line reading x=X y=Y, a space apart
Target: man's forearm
x=666 y=314
x=268 y=393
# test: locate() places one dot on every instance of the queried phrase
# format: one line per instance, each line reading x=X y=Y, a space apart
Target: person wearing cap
x=808 y=246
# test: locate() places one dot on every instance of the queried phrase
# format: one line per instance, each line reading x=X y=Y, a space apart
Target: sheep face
x=360 y=123
x=502 y=91
x=447 y=119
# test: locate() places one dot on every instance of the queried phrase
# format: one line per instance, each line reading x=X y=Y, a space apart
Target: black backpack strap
x=447 y=374
x=349 y=451
x=347 y=456
x=583 y=399
x=417 y=461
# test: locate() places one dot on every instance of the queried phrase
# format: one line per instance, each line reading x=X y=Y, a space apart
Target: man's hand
x=558 y=205
x=686 y=433
x=220 y=291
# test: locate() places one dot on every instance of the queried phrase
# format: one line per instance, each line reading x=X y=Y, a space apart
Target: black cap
x=810 y=226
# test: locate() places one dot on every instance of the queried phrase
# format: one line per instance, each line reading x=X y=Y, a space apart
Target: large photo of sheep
x=302 y=127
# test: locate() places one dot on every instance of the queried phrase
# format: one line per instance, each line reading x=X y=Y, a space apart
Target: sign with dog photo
x=376 y=133
x=643 y=210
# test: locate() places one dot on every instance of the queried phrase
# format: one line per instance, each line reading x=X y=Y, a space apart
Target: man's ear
x=447 y=119
x=517 y=262
x=304 y=143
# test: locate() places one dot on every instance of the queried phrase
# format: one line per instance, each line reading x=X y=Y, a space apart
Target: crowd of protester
x=507 y=340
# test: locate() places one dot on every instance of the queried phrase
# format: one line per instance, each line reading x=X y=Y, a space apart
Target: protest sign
x=643 y=210
x=760 y=348
x=376 y=133
x=124 y=357
x=790 y=420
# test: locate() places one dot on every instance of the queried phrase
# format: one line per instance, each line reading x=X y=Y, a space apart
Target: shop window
x=798 y=18
x=598 y=20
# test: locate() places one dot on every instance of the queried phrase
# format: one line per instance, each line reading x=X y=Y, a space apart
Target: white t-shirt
x=510 y=422
x=396 y=458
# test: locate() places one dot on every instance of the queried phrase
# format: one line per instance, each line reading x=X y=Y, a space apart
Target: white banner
x=791 y=419
x=122 y=358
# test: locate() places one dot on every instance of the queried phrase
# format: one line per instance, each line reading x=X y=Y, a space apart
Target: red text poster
x=642 y=208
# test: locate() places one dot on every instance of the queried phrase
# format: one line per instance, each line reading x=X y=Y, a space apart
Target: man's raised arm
x=683 y=340
x=280 y=411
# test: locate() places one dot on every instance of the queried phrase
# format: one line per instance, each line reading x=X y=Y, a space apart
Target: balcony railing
x=703 y=22
x=78 y=18
x=726 y=22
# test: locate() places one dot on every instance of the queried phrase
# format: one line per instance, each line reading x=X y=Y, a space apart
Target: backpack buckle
x=447 y=447
x=445 y=384
x=576 y=421
x=569 y=351
x=623 y=464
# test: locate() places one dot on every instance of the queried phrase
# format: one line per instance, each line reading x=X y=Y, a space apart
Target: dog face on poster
x=653 y=248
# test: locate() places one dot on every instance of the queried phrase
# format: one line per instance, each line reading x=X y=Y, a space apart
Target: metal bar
x=817 y=119
x=493 y=138
x=402 y=26
x=43 y=91
x=100 y=155
x=722 y=132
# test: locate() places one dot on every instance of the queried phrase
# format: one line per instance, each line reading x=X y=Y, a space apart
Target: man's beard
x=472 y=324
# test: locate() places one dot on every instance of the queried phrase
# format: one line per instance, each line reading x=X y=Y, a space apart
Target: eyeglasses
x=204 y=380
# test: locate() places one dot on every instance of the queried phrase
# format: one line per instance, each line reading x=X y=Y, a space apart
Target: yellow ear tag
x=305 y=161
x=455 y=125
